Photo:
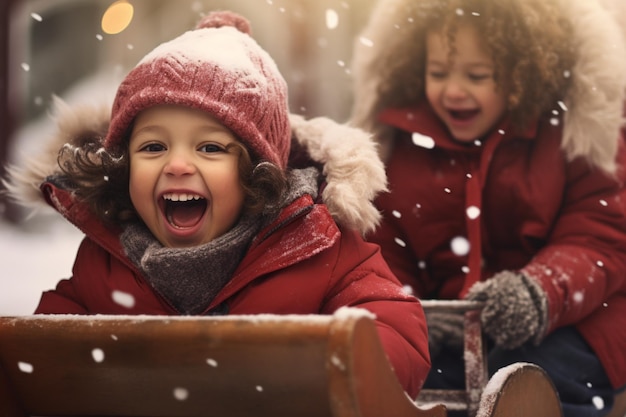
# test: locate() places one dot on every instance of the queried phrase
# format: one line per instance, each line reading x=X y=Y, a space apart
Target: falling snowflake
x=366 y=42
x=337 y=362
x=578 y=297
x=259 y=388
x=181 y=394
x=396 y=214
x=123 y=298
x=422 y=140
x=98 y=355
x=36 y=16
x=603 y=203
x=332 y=19
x=212 y=362
x=472 y=212
x=25 y=367
x=598 y=402
x=460 y=246
x=400 y=242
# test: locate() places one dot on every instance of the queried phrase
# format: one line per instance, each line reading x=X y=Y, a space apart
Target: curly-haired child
x=191 y=203
x=499 y=124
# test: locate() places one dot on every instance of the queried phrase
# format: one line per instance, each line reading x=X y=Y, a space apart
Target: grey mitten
x=444 y=329
x=515 y=311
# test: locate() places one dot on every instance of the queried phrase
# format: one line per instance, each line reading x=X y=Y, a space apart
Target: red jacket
x=301 y=264
x=560 y=222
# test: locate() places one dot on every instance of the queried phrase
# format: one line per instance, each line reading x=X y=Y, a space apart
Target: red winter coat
x=562 y=223
x=302 y=264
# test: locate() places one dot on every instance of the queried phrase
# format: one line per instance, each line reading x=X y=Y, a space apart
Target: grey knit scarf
x=190 y=278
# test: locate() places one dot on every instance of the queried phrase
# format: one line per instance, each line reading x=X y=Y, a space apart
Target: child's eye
x=479 y=77
x=437 y=74
x=153 y=147
x=211 y=148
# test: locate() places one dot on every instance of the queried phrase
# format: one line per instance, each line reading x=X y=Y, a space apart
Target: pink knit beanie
x=217 y=68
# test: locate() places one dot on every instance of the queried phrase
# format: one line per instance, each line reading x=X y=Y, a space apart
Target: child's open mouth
x=463 y=115
x=184 y=210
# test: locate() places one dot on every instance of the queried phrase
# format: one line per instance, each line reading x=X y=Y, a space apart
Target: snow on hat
x=217 y=68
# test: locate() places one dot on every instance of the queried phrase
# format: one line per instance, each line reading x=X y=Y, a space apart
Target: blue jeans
x=583 y=386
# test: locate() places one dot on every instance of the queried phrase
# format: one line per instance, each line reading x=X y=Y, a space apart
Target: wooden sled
x=240 y=366
x=518 y=390
x=210 y=367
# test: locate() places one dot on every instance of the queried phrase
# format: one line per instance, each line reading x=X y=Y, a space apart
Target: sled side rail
x=474 y=354
x=182 y=367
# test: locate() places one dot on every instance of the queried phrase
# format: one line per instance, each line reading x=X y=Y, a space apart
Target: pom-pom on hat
x=217 y=68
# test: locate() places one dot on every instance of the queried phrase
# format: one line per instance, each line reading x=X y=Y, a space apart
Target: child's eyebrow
x=480 y=65
x=436 y=62
x=148 y=129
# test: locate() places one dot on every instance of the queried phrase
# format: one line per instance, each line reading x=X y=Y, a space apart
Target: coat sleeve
x=65 y=298
x=62 y=300
x=361 y=278
x=101 y=284
x=583 y=264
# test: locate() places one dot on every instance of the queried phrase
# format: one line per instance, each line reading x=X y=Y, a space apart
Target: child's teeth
x=181 y=197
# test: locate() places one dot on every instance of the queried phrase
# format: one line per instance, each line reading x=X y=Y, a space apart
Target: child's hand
x=515 y=309
x=444 y=329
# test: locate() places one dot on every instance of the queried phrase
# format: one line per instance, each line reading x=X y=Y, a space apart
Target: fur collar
x=595 y=104
x=354 y=172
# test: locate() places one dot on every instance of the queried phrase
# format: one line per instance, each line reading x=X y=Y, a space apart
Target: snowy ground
x=34 y=255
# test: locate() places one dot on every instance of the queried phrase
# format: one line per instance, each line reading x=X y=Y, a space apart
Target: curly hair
x=529 y=40
x=100 y=178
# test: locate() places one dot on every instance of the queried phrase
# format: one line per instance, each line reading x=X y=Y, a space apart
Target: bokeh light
x=117 y=17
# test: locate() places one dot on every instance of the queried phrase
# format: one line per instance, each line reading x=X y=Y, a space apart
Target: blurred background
x=79 y=50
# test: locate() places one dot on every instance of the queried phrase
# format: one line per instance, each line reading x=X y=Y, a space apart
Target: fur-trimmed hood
x=595 y=103
x=353 y=171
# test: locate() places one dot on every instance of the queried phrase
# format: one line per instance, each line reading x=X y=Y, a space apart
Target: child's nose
x=179 y=164
x=455 y=90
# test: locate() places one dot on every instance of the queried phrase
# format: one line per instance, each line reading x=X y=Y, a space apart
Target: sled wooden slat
x=517 y=390
x=230 y=366
x=476 y=375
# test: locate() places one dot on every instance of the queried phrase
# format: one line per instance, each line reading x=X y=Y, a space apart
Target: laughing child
x=499 y=124
x=189 y=204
